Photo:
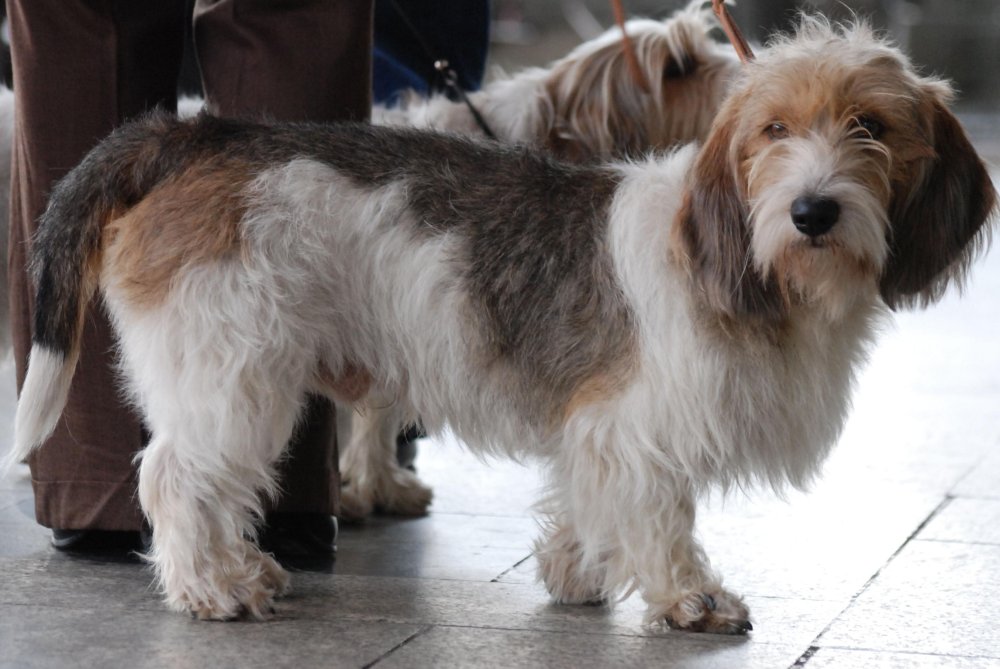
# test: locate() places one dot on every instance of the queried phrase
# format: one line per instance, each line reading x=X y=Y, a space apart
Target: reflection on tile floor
x=891 y=560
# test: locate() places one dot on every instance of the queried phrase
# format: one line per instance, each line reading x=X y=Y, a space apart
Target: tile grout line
x=960 y=541
x=814 y=646
x=496 y=579
x=805 y=657
x=420 y=632
x=966 y=474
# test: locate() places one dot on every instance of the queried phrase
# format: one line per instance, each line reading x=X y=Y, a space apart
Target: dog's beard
x=833 y=270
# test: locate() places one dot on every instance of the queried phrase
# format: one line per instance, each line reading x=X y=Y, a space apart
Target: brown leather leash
x=628 y=47
x=729 y=26
x=732 y=31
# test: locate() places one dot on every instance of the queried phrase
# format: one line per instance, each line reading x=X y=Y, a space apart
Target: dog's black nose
x=813 y=215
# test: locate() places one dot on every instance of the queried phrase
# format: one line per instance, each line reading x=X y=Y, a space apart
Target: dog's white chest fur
x=729 y=402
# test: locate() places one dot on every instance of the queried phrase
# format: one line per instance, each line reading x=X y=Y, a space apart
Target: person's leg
x=303 y=61
x=80 y=68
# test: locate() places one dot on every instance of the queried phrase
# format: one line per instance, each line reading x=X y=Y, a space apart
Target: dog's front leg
x=673 y=573
x=372 y=475
x=617 y=524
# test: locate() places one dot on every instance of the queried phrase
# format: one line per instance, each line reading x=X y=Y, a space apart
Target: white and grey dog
x=648 y=329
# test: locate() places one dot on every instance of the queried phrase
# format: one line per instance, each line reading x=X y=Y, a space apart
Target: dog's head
x=596 y=109
x=833 y=171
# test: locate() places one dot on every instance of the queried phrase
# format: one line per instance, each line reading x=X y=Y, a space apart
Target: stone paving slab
x=475 y=647
x=974 y=521
x=53 y=636
x=933 y=598
x=835 y=658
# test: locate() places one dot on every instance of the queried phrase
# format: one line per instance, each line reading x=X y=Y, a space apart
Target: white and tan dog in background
x=587 y=106
x=646 y=329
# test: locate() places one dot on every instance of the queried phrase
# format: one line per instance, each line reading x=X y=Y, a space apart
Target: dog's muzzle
x=813 y=215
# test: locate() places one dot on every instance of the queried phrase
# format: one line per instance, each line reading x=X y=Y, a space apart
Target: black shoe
x=66 y=540
x=295 y=535
x=146 y=537
x=99 y=543
x=287 y=535
x=406 y=446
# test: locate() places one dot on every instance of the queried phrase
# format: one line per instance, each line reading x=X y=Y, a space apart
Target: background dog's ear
x=713 y=229
x=595 y=109
x=938 y=226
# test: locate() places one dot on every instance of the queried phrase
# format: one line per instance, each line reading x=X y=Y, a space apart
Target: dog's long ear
x=595 y=109
x=713 y=231
x=938 y=226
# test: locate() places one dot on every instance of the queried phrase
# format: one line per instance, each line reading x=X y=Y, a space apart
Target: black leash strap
x=448 y=73
x=451 y=81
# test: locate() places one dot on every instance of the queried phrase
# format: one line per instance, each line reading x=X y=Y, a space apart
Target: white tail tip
x=41 y=403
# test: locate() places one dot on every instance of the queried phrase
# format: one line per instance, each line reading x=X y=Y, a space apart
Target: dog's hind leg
x=203 y=508
x=220 y=413
x=562 y=567
x=371 y=473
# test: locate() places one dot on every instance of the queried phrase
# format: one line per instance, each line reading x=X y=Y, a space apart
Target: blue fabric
x=453 y=30
x=391 y=77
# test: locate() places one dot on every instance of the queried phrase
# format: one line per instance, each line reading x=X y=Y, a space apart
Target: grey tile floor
x=892 y=559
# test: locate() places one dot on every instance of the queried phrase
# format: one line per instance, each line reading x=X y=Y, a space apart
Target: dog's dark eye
x=776 y=131
x=871 y=125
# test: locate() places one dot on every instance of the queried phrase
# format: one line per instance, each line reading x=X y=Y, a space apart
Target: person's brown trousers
x=82 y=67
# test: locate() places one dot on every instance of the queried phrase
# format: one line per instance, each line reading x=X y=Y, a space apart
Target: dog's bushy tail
x=66 y=257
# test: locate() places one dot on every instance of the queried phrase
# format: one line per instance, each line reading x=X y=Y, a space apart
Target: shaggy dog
x=587 y=106
x=647 y=329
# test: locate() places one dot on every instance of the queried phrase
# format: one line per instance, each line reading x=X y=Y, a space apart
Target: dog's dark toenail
x=709 y=601
x=746 y=626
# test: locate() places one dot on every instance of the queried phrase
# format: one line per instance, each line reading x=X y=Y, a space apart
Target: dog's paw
x=355 y=504
x=559 y=568
x=242 y=593
x=403 y=494
x=241 y=604
x=395 y=491
x=567 y=586
x=714 y=612
x=273 y=576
